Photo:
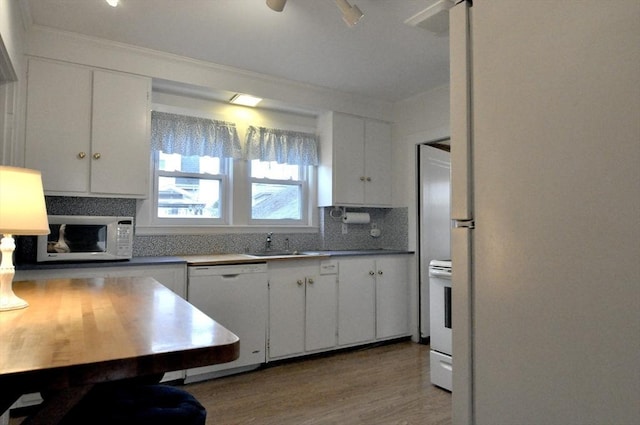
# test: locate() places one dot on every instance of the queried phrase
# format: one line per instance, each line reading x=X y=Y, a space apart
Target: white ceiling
x=381 y=57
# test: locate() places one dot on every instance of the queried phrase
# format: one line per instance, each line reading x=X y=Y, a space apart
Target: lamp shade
x=22 y=206
x=276 y=5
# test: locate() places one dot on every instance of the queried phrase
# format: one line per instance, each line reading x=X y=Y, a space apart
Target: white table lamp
x=22 y=212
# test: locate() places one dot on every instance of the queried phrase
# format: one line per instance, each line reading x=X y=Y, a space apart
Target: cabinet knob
x=371 y=273
x=299 y=282
x=368 y=179
x=96 y=155
x=362 y=178
x=380 y=272
x=310 y=281
x=81 y=155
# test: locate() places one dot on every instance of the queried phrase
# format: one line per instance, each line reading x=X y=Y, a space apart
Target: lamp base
x=12 y=302
x=8 y=300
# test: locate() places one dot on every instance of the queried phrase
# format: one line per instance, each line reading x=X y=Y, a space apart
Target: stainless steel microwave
x=86 y=238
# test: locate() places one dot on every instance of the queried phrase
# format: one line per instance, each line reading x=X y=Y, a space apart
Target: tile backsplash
x=392 y=222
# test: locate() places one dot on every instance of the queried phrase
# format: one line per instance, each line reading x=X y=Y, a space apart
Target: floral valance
x=282 y=146
x=189 y=136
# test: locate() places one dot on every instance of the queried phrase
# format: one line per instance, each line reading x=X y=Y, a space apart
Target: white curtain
x=282 y=146
x=189 y=136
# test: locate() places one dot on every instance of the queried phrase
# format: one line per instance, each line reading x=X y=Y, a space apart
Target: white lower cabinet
x=302 y=307
x=173 y=276
x=310 y=305
x=356 y=301
x=392 y=296
x=373 y=299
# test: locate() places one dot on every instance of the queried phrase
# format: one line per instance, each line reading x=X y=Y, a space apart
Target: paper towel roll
x=356 y=218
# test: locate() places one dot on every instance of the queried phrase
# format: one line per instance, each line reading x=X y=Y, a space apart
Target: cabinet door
x=173 y=277
x=58 y=125
x=348 y=165
x=356 y=301
x=286 y=310
x=120 y=149
x=377 y=163
x=321 y=312
x=392 y=296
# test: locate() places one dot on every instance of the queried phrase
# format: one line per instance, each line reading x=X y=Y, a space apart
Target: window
x=278 y=174
x=191 y=168
x=204 y=180
x=278 y=191
x=190 y=186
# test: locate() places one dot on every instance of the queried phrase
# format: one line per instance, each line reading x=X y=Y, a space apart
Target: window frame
x=303 y=184
x=226 y=168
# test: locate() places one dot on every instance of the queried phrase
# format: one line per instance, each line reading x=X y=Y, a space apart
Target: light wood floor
x=382 y=385
x=388 y=384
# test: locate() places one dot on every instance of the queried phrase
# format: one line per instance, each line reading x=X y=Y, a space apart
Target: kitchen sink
x=273 y=253
x=279 y=253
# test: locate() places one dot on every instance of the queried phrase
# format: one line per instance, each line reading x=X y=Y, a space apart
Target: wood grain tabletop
x=85 y=331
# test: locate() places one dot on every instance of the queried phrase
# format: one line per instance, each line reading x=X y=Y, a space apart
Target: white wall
x=105 y=54
x=419 y=119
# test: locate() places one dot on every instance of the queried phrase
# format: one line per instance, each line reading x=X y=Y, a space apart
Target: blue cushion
x=137 y=404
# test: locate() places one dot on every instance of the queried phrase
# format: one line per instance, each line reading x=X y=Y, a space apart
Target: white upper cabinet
x=120 y=134
x=355 y=161
x=88 y=131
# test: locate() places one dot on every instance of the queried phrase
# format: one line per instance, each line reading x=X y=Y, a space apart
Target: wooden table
x=80 y=332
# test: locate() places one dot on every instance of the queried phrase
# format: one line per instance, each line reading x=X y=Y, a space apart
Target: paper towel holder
x=356 y=218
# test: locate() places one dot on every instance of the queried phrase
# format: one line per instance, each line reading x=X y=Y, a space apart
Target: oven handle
x=440 y=273
x=447 y=307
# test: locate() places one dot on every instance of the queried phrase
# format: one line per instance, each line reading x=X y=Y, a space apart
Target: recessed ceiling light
x=113 y=3
x=245 y=100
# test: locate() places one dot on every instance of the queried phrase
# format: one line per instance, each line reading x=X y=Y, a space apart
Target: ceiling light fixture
x=113 y=3
x=351 y=15
x=276 y=5
x=245 y=100
x=434 y=18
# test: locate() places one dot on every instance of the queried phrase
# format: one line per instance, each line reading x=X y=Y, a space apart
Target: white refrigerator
x=545 y=140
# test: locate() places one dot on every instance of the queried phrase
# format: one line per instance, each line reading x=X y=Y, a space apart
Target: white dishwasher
x=236 y=296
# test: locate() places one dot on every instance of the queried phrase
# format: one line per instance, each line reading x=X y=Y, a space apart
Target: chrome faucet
x=267 y=244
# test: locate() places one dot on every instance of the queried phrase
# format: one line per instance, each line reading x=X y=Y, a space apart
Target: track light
x=277 y=5
x=351 y=15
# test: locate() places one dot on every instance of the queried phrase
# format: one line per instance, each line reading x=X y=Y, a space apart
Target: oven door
x=440 y=313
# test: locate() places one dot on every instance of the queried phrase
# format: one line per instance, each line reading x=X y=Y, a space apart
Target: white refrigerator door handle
x=463 y=224
x=461 y=142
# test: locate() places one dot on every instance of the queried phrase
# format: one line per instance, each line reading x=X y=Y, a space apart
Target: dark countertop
x=340 y=253
x=135 y=261
x=206 y=259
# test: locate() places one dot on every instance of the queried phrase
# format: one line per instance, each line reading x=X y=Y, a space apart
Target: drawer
x=441 y=370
